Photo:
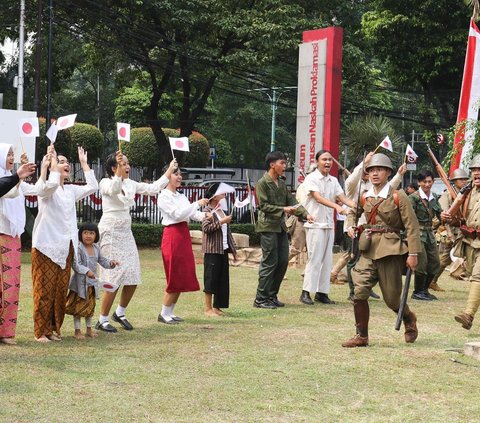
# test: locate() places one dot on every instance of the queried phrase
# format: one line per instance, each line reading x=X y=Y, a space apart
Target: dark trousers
x=217 y=279
x=273 y=265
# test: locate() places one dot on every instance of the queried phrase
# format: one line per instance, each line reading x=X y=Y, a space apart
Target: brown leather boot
x=411 y=331
x=435 y=287
x=465 y=319
x=362 y=315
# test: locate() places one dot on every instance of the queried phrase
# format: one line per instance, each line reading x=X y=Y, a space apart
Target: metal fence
x=145 y=209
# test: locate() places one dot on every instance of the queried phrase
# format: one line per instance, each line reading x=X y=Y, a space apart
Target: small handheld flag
x=52 y=133
x=29 y=127
x=386 y=144
x=65 y=122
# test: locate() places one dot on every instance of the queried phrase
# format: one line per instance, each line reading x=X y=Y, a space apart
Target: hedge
x=150 y=235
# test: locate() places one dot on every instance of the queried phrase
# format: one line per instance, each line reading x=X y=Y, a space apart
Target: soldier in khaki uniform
x=448 y=235
x=383 y=251
x=469 y=248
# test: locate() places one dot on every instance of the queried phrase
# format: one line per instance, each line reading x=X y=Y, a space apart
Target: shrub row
x=150 y=235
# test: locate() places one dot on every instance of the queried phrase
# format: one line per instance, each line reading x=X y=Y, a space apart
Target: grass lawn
x=283 y=365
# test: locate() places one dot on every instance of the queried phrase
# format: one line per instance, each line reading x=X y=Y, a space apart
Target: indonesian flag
x=387 y=144
x=123 y=131
x=52 y=133
x=469 y=98
x=65 y=122
x=180 y=144
x=410 y=153
x=29 y=127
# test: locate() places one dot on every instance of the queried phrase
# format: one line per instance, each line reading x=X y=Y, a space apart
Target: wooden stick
x=343 y=168
x=378 y=146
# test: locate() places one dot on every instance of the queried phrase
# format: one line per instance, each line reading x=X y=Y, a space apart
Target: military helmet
x=380 y=160
x=459 y=174
x=475 y=162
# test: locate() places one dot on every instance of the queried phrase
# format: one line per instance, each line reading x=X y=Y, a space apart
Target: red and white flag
x=387 y=144
x=29 y=127
x=180 y=144
x=123 y=131
x=410 y=153
x=65 y=122
x=469 y=98
x=52 y=133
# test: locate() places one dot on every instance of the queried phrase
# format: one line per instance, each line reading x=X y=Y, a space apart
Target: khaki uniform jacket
x=445 y=202
x=473 y=217
x=271 y=201
x=401 y=218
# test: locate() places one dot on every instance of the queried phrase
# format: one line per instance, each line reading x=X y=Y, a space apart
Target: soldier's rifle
x=442 y=174
x=460 y=199
x=403 y=300
x=342 y=168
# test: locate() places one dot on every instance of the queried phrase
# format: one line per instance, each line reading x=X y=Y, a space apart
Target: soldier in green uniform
x=449 y=234
x=426 y=207
x=389 y=216
x=469 y=248
x=274 y=203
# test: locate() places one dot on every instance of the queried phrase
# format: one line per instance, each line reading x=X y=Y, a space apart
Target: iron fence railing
x=145 y=209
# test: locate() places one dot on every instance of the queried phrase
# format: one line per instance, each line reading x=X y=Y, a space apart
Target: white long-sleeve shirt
x=56 y=223
x=176 y=208
x=118 y=195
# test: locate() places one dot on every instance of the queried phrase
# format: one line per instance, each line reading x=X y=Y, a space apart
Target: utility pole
x=38 y=58
x=21 y=47
x=273 y=104
x=49 y=65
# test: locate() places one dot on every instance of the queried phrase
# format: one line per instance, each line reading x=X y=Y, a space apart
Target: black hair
x=273 y=156
x=89 y=226
x=320 y=152
x=424 y=175
x=211 y=190
x=110 y=163
x=413 y=185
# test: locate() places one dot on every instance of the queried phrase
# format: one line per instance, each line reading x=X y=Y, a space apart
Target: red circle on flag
x=385 y=143
x=123 y=131
x=180 y=144
x=27 y=128
x=64 y=122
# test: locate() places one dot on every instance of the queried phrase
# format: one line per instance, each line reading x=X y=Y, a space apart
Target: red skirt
x=178 y=260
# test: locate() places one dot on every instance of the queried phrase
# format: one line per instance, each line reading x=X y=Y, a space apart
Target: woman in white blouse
x=116 y=237
x=55 y=241
x=177 y=254
x=12 y=225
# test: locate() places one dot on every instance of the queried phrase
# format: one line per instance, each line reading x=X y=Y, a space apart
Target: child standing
x=217 y=242
x=84 y=285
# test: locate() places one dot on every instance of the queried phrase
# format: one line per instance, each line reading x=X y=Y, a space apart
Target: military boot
x=428 y=281
x=410 y=322
x=362 y=315
x=418 y=291
x=465 y=320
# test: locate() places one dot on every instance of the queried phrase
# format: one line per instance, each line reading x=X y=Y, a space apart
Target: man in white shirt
x=324 y=190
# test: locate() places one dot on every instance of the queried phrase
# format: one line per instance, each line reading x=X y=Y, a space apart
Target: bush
x=151 y=235
x=87 y=136
x=142 y=150
x=199 y=151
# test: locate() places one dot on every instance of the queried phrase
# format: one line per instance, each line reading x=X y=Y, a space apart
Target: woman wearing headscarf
x=12 y=225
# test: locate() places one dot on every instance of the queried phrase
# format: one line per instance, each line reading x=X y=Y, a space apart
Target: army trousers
x=387 y=272
x=428 y=260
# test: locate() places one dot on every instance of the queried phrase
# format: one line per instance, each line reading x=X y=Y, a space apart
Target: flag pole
x=378 y=146
x=21 y=143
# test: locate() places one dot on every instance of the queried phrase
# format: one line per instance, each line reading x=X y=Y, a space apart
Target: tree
x=410 y=38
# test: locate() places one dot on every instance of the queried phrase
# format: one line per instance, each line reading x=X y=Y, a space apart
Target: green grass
x=282 y=365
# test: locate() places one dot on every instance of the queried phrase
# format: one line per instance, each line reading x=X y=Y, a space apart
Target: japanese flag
x=123 y=131
x=410 y=153
x=108 y=286
x=387 y=144
x=65 y=122
x=52 y=132
x=29 y=128
x=180 y=144
x=239 y=204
